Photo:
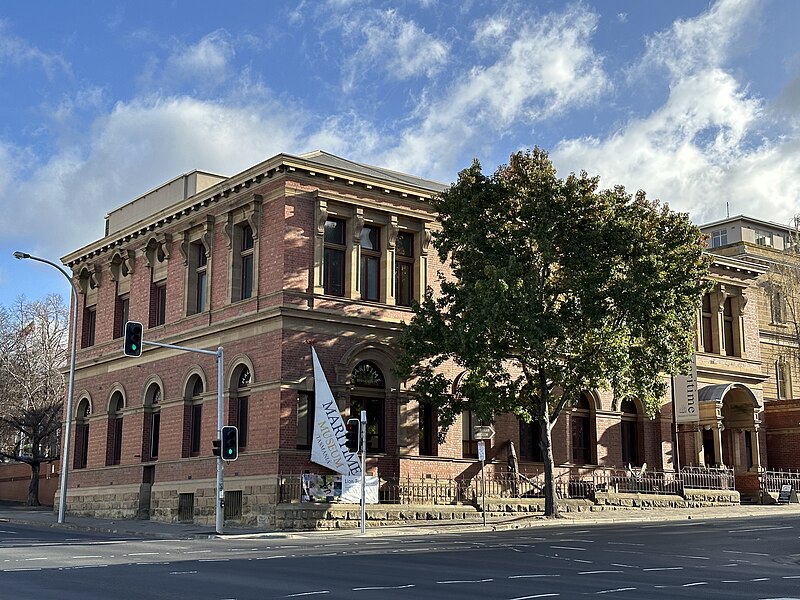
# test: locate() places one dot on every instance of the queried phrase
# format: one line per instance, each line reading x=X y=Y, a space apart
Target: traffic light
x=230 y=443
x=133 y=339
x=217 y=450
x=353 y=434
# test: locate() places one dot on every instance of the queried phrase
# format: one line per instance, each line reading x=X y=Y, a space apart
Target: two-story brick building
x=316 y=247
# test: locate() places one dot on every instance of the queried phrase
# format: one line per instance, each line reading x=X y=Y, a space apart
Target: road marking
x=623 y=544
x=596 y=572
x=747 y=553
x=530 y=576
x=22 y=569
x=615 y=590
x=89 y=556
x=271 y=557
x=183 y=572
x=38 y=558
x=775 y=528
x=622 y=565
x=536 y=596
x=567 y=548
x=664 y=569
x=730 y=581
x=196 y=551
x=670 y=525
x=587 y=562
x=693 y=557
x=214 y=560
x=791 y=577
x=761 y=579
x=465 y=581
x=384 y=587
x=142 y=554
x=308 y=594
x=695 y=583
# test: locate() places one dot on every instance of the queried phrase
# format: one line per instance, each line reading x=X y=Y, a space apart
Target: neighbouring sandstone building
x=316 y=247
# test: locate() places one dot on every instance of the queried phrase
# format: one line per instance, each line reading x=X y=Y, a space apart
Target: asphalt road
x=732 y=559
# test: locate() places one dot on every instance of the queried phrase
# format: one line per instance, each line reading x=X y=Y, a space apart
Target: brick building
x=319 y=247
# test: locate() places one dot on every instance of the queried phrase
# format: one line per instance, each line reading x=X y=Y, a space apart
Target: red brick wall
x=15 y=479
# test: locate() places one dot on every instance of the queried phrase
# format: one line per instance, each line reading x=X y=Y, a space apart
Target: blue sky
x=100 y=101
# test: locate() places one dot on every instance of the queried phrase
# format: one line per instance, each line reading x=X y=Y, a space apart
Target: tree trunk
x=550 y=496
x=33 y=488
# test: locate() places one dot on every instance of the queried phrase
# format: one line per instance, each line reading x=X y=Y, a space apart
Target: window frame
x=404 y=261
x=334 y=278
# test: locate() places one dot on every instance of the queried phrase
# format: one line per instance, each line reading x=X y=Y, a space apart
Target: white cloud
x=546 y=68
x=705 y=146
x=18 y=52
x=390 y=45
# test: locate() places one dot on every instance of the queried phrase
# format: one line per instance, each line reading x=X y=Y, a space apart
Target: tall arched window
x=369 y=393
x=114 y=435
x=239 y=404
x=581 y=430
x=82 y=434
x=783 y=380
x=630 y=434
x=151 y=432
x=192 y=416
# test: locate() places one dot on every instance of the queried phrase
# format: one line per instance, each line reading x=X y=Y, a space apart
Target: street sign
x=481 y=451
x=482 y=432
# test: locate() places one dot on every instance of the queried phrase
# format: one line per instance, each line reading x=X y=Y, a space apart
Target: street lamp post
x=62 y=494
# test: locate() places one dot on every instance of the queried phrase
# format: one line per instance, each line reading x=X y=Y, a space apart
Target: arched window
x=783 y=380
x=369 y=393
x=151 y=432
x=581 y=430
x=114 y=435
x=192 y=416
x=239 y=405
x=629 y=425
x=82 y=434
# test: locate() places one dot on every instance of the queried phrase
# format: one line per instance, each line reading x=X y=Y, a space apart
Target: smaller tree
x=557 y=287
x=33 y=342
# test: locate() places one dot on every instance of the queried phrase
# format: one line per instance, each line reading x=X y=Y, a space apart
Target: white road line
x=271 y=557
x=183 y=572
x=626 y=566
x=663 y=569
x=214 y=560
x=671 y=525
x=747 y=553
x=567 y=548
x=308 y=594
x=536 y=596
x=761 y=579
x=693 y=557
x=624 y=544
x=530 y=576
x=384 y=587
x=775 y=528
x=628 y=589
x=142 y=554
x=791 y=577
x=596 y=572
x=730 y=581
x=197 y=551
x=586 y=562
x=695 y=583
x=37 y=558
x=89 y=556
x=465 y=581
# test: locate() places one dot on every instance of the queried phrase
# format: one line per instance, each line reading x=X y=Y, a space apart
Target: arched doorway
x=729 y=425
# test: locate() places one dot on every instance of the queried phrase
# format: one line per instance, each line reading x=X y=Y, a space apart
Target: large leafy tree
x=557 y=286
x=33 y=349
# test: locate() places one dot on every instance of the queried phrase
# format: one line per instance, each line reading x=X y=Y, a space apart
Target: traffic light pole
x=220 y=491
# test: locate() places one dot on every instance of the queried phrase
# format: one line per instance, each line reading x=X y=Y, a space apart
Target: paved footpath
x=45 y=517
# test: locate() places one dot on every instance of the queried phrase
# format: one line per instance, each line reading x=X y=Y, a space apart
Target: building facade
x=318 y=249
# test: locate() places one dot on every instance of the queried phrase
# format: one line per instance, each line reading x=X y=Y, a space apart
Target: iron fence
x=570 y=483
x=771 y=481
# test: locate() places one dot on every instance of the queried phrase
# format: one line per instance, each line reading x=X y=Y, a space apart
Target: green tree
x=557 y=287
x=33 y=349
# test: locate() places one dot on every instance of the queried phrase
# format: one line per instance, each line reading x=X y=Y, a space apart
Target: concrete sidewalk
x=45 y=517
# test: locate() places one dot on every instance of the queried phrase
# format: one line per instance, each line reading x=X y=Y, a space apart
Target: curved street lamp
x=62 y=494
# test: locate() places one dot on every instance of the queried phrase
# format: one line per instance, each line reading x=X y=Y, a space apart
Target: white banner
x=351 y=489
x=328 y=444
x=684 y=395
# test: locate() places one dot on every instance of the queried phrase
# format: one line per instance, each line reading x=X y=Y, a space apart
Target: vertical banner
x=329 y=441
x=684 y=395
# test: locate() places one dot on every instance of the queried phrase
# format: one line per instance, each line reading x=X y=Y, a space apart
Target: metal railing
x=570 y=483
x=771 y=481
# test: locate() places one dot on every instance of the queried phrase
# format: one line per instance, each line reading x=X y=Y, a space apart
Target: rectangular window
x=196 y=429
x=243 y=262
x=404 y=269
x=242 y=420
x=706 y=324
x=155 y=435
x=428 y=430
x=719 y=237
x=777 y=305
x=333 y=268
x=375 y=421
x=630 y=443
x=581 y=452
x=158 y=304
x=198 y=279
x=530 y=437
x=727 y=328
x=370 y=263
x=305 y=419
x=89 y=325
x=763 y=238
x=81 y=446
x=121 y=306
x=469 y=445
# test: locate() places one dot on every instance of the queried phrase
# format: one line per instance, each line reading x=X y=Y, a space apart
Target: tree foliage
x=557 y=286
x=33 y=349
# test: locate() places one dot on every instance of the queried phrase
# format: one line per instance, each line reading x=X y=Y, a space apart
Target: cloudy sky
x=697 y=103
